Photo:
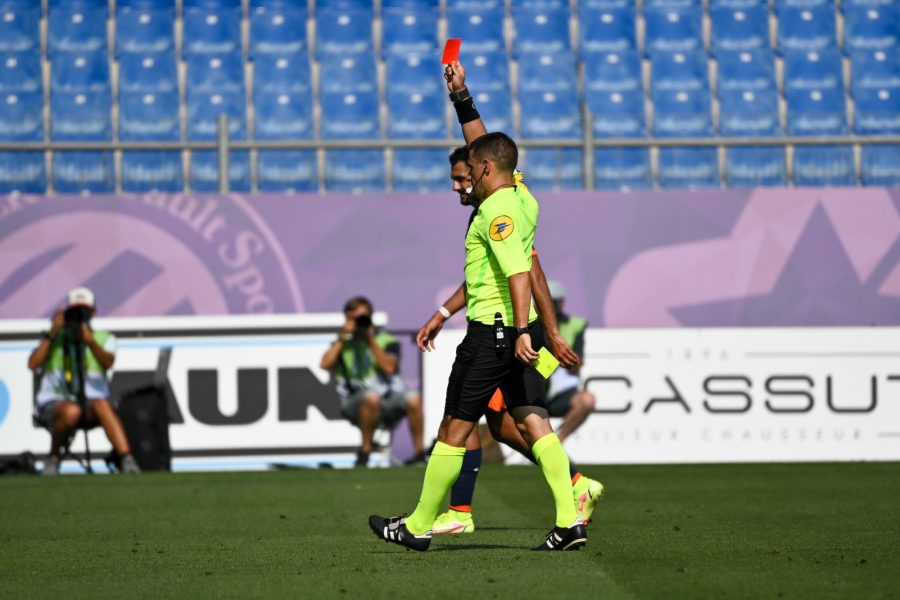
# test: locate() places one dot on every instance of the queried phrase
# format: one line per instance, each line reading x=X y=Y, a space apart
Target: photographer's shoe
x=51 y=466
x=129 y=465
x=572 y=537
x=393 y=529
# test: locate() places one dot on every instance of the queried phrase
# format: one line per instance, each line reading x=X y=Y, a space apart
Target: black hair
x=357 y=301
x=498 y=148
x=460 y=154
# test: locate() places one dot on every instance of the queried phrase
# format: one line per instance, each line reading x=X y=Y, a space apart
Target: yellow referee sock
x=442 y=470
x=549 y=454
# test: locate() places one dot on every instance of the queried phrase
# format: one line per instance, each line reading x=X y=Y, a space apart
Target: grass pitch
x=717 y=531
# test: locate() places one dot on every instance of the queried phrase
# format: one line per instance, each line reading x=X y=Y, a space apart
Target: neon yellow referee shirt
x=498 y=246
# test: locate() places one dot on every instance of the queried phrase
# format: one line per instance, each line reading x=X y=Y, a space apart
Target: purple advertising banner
x=764 y=257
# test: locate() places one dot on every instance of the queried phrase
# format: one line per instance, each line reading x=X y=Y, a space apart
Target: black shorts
x=479 y=369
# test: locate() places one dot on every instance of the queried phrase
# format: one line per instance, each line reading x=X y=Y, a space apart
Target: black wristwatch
x=521 y=330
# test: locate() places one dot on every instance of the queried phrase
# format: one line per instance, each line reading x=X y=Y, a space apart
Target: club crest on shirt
x=500 y=228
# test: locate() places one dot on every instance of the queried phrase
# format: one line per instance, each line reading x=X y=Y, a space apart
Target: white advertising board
x=726 y=395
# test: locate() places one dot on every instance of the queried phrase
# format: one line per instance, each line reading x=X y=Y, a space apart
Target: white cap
x=557 y=291
x=81 y=296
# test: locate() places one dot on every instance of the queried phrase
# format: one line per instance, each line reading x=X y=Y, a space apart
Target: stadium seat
x=423 y=4
x=20 y=26
x=871 y=27
x=746 y=70
x=277 y=30
x=740 y=29
x=215 y=72
x=204 y=109
x=748 y=112
x=554 y=168
x=481 y=27
x=617 y=114
x=411 y=74
x=881 y=165
x=622 y=169
x=287 y=171
x=20 y=72
x=474 y=4
x=688 y=167
x=685 y=71
x=736 y=3
x=23 y=172
x=347 y=74
x=549 y=73
x=350 y=116
x=211 y=31
x=816 y=112
x=541 y=31
x=21 y=120
x=286 y=74
x=420 y=170
x=148 y=73
x=495 y=108
x=550 y=115
x=488 y=71
x=282 y=116
x=204 y=171
x=72 y=71
x=672 y=3
x=411 y=30
x=354 y=170
x=416 y=115
x=681 y=113
x=343 y=31
x=80 y=116
x=783 y=4
x=538 y=4
x=607 y=30
x=876 y=70
x=212 y=4
x=877 y=112
x=813 y=70
x=76 y=172
x=145 y=30
x=365 y=4
x=606 y=4
x=806 y=29
x=673 y=30
x=146 y=116
x=77 y=26
x=823 y=165
x=755 y=166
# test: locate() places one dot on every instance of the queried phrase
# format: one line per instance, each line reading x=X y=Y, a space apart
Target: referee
x=498 y=260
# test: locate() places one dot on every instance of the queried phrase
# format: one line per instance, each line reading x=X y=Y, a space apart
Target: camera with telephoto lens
x=73 y=319
x=363 y=322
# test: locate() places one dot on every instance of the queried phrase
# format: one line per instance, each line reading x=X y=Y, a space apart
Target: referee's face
x=477 y=171
x=459 y=174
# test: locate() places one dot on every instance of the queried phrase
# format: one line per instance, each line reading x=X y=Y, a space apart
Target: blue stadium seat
x=148 y=73
x=347 y=74
x=19 y=26
x=80 y=116
x=871 y=27
x=495 y=107
x=286 y=74
x=755 y=166
x=420 y=4
x=881 y=165
x=740 y=29
x=409 y=30
x=876 y=70
x=550 y=115
x=287 y=171
x=612 y=72
x=215 y=72
x=211 y=31
x=76 y=172
x=749 y=112
x=746 y=70
x=413 y=74
x=806 y=29
x=606 y=4
x=350 y=116
x=77 y=26
x=813 y=70
x=672 y=3
x=780 y=5
x=617 y=114
x=549 y=73
x=282 y=116
x=816 y=112
x=488 y=71
x=22 y=116
x=420 y=170
x=877 y=112
x=20 y=72
x=416 y=115
x=539 y=4
x=354 y=170
x=540 y=30
x=80 y=71
x=681 y=113
x=204 y=171
x=277 y=30
x=823 y=165
x=145 y=30
x=684 y=71
x=737 y=3
x=622 y=169
x=22 y=172
x=673 y=30
x=481 y=27
x=212 y=4
x=343 y=31
x=688 y=167
x=474 y=4
x=607 y=30
x=204 y=109
x=146 y=116
x=554 y=168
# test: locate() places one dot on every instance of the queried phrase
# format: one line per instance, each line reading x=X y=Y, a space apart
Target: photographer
x=59 y=405
x=365 y=363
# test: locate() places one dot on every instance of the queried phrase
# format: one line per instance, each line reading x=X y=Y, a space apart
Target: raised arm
x=472 y=125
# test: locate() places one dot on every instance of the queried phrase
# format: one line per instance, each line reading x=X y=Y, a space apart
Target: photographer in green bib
x=59 y=406
x=365 y=363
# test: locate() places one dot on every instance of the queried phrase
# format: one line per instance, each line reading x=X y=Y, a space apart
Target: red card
x=451 y=51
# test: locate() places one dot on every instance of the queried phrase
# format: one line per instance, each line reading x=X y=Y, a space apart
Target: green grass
x=719 y=531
